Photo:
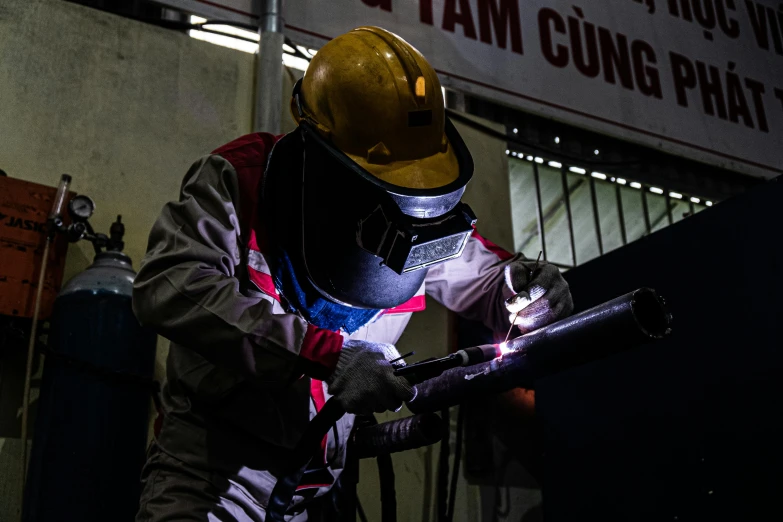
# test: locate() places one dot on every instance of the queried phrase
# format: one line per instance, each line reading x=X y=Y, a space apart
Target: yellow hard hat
x=374 y=97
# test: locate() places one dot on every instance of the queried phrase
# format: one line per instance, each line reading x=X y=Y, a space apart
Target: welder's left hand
x=542 y=297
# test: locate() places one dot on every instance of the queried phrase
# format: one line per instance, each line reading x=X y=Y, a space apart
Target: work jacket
x=236 y=401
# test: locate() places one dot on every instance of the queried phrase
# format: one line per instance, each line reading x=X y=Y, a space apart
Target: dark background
x=688 y=428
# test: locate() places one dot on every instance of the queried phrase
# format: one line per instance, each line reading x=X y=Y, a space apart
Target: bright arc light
x=598 y=175
x=636 y=185
x=555 y=164
x=578 y=170
x=695 y=200
x=295 y=62
x=224 y=41
x=675 y=195
x=656 y=190
x=557 y=139
x=504 y=348
x=621 y=181
x=539 y=160
x=709 y=203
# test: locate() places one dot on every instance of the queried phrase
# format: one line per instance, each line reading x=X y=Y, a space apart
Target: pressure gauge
x=81 y=208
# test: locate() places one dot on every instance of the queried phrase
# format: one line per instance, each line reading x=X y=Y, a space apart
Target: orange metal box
x=24 y=208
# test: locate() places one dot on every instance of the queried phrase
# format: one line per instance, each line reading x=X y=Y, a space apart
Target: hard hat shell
x=374 y=97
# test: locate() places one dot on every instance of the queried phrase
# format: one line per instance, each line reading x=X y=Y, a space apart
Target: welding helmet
x=383 y=171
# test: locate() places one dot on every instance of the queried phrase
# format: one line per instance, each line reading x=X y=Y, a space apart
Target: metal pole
x=620 y=213
x=596 y=218
x=567 y=200
x=669 y=208
x=539 y=210
x=646 y=212
x=269 y=68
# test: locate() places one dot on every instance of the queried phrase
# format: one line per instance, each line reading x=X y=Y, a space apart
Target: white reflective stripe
x=256 y=261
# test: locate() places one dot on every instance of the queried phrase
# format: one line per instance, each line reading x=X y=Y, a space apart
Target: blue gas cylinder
x=90 y=435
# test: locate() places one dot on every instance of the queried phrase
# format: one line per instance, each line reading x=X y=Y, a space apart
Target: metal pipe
x=399 y=435
x=611 y=327
x=567 y=200
x=539 y=210
x=621 y=214
x=646 y=210
x=269 y=69
x=596 y=218
x=54 y=221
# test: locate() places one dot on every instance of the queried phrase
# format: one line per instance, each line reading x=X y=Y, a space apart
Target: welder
x=290 y=266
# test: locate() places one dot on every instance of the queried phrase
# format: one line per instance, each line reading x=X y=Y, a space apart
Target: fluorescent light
x=621 y=181
x=224 y=41
x=555 y=164
x=514 y=154
x=656 y=190
x=557 y=139
x=612 y=180
x=516 y=130
x=312 y=51
x=287 y=48
x=709 y=203
x=578 y=170
x=597 y=152
x=695 y=200
x=197 y=19
x=443 y=92
x=506 y=152
x=598 y=175
x=529 y=158
x=675 y=195
x=295 y=62
x=304 y=51
x=636 y=185
x=539 y=160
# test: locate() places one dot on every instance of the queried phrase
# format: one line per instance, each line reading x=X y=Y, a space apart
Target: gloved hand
x=364 y=380
x=547 y=297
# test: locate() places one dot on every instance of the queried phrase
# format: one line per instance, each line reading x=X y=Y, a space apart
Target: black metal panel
x=688 y=428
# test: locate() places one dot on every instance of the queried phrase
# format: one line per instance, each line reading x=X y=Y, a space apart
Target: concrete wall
x=125 y=107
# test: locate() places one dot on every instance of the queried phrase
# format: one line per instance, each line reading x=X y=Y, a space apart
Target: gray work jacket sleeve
x=188 y=287
x=473 y=285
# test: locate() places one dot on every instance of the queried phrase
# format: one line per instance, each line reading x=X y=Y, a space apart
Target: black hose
x=395 y=436
x=455 y=472
x=443 y=470
x=614 y=326
x=388 y=493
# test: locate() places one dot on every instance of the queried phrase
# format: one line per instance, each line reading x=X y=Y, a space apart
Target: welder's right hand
x=364 y=380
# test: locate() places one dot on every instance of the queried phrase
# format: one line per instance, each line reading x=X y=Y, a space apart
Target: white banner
x=699 y=78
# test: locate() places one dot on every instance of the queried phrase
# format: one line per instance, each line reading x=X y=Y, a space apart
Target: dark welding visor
x=406 y=228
